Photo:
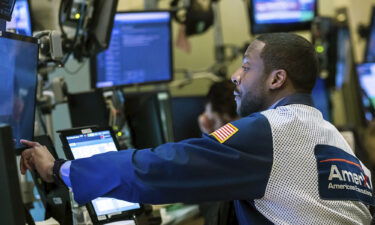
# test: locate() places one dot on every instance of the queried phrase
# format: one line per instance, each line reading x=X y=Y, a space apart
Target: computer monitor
x=101 y=26
x=149 y=118
x=11 y=207
x=366 y=76
x=185 y=122
x=344 y=56
x=140 y=51
x=6 y=9
x=321 y=98
x=21 y=19
x=347 y=87
x=82 y=143
x=370 y=46
x=81 y=106
x=280 y=15
x=19 y=59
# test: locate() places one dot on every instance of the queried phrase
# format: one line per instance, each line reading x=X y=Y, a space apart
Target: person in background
x=220 y=109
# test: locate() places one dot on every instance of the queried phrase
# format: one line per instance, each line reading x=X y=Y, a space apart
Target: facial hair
x=250 y=103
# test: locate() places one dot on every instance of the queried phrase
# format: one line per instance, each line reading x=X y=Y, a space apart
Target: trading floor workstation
x=143 y=91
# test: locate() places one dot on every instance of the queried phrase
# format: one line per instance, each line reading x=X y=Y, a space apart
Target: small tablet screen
x=87 y=145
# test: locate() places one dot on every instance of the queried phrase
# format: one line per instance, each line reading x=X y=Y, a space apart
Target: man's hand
x=37 y=157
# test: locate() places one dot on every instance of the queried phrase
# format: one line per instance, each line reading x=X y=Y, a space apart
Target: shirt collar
x=298 y=98
x=275 y=104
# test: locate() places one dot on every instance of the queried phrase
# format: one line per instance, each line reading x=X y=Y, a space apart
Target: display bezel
x=93 y=60
x=33 y=40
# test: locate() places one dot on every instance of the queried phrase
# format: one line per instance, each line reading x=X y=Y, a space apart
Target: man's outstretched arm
x=193 y=170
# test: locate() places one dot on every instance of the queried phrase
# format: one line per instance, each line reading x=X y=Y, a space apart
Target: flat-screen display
x=87 y=145
x=81 y=106
x=18 y=79
x=148 y=117
x=320 y=96
x=370 y=47
x=140 y=51
x=185 y=122
x=344 y=56
x=366 y=75
x=281 y=15
x=21 y=19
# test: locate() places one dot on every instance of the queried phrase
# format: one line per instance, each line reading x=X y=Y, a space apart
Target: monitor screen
x=370 y=47
x=281 y=15
x=18 y=72
x=344 y=56
x=320 y=96
x=6 y=9
x=366 y=75
x=140 y=51
x=21 y=19
x=81 y=105
x=148 y=117
x=185 y=122
x=87 y=145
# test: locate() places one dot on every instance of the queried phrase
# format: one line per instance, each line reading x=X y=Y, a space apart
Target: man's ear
x=277 y=79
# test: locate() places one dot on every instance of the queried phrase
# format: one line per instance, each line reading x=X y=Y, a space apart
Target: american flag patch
x=225 y=132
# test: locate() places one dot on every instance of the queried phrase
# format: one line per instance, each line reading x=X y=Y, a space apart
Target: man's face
x=250 y=92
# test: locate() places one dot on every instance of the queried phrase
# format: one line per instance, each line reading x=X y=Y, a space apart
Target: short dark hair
x=221 y=98
x=292 y=53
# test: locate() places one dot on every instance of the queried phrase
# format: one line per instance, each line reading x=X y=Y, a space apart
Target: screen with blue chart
x=87 y=145
x=140 y=51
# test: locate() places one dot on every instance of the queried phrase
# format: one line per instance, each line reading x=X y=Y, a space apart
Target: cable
x=72 y=43
x=60 y=19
